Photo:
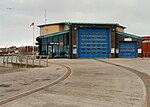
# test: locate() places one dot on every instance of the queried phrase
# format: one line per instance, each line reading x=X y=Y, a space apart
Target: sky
x=16 y=16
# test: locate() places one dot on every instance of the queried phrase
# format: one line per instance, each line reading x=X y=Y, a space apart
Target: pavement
x=141 y=68
x=140 y=64
x=20 y=80
x=92 y=84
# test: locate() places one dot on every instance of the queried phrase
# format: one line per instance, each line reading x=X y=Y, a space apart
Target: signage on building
x=53 y=43
x=56 y=43
x=61 y=43
x=74 y=46
x=127 y=39
x=75 y=51
x=139 y=50
x=112 y=50
x=117 y=50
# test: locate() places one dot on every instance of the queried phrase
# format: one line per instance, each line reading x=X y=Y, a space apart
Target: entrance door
x=50 y=51
x=128 y=49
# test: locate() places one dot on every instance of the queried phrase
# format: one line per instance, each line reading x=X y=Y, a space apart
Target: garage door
x=128 y=50
x=93 y=43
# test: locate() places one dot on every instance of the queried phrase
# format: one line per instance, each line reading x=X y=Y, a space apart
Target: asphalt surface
x=92 y=84
x=24 y=80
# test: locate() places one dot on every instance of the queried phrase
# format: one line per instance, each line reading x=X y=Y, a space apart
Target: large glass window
x=56 y=46
x=66 y=45
x=61 y=46
x=44 y=46
x=50 y=39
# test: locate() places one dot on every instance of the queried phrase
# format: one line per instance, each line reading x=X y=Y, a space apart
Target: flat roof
x=82 y=23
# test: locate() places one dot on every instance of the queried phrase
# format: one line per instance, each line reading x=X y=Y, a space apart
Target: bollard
x=47 y=61
x=39 y=61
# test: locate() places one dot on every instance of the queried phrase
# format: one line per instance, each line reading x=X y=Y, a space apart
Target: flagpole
x=33 y=45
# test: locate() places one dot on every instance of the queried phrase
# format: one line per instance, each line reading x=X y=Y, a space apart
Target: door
x=50 y=51
x=93 y=43
x=128 y=49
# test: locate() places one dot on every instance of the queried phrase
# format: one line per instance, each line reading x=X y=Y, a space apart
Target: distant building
x=146 y=46
x=1 y=51
x=26 y=50
x=11 y=50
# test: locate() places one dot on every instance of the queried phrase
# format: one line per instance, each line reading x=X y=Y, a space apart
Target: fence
x=25 y=60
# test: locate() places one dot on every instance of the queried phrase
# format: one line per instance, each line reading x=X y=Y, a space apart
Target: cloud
x=14 y=23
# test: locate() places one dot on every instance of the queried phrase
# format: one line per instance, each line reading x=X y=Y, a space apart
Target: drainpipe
x=70 y=41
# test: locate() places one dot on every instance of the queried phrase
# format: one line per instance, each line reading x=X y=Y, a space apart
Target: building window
x=55 y=46
x=60 y=46
x=44 y=46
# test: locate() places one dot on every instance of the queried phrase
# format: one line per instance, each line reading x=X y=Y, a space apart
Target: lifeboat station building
x=88 y=40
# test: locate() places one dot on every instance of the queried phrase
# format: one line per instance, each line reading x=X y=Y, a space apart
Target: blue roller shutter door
x=93 y=43
x=128 y=49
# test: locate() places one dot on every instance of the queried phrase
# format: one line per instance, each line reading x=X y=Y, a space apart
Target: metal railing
x=26 y=60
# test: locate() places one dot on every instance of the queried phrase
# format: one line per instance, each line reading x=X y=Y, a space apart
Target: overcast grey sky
x=15 y=23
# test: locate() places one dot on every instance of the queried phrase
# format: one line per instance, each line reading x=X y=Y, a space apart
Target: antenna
x=45 y=15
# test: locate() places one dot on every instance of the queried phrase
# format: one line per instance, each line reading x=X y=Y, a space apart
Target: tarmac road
x=92 y=84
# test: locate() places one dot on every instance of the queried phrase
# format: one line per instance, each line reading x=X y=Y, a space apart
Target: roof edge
x=53 y=34
x=83 y=23
x=129 y=35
